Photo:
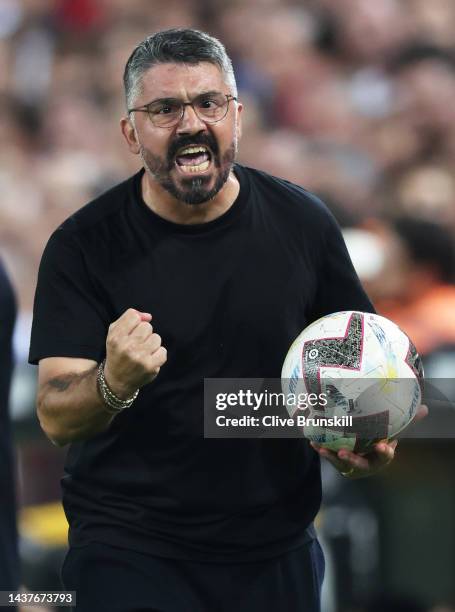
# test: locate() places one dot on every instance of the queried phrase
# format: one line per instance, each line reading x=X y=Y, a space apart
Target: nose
x=190 y=122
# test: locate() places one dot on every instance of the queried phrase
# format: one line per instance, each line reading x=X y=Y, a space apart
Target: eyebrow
x=170 y=99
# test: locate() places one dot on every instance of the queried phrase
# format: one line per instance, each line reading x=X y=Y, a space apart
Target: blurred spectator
x=368 y=33
x=425 y=191
x=425 y=81
x=432 y=21
x=341 y=96
x=9 y=563
x=415 y=286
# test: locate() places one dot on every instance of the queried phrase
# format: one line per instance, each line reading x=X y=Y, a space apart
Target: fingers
x=331 y=456
x=156 y=360
x=386 y=449
x=129 y=320
x=142 y=332
x=359 y=466
x=353 y=460
x=153 y=354
x=144 y=340
x=421 y=413
x=153 y=343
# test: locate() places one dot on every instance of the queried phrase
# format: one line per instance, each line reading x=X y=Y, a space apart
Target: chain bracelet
x=114 y=404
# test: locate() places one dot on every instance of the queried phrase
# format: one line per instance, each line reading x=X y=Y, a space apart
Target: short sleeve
x=69 y=318
x=339 y=287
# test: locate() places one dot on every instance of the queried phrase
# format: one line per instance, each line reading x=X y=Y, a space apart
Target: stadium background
x=354 y=99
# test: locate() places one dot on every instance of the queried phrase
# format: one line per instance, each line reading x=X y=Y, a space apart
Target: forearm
x=70 y=407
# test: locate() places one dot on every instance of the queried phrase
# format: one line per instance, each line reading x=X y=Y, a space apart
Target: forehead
x=181 y=80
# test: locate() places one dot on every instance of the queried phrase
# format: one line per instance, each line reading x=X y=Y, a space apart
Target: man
x=231 y=264
x=9 y=561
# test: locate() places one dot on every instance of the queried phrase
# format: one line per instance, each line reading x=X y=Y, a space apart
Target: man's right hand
x=69 y=405
x=134 y=354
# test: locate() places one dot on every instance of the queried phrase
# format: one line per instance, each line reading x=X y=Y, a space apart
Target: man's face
x=169 y=154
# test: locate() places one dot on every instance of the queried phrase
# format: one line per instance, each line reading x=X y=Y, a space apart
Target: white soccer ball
x=364 y=367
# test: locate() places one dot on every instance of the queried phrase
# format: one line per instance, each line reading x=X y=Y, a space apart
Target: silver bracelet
x=114 y=404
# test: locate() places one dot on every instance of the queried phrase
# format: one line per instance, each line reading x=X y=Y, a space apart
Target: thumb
x=145 y=316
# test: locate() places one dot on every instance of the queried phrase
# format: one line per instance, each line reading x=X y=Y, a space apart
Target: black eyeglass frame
x=144 y=109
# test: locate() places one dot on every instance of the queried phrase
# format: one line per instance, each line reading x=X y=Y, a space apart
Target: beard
x=191 y=190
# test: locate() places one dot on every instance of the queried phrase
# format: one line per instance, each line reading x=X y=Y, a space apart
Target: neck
x=166 y=206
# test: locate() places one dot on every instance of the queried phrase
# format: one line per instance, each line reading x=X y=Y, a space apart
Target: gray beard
x=195 y=189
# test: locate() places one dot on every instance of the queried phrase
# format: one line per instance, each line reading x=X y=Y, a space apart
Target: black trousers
x=109 y=579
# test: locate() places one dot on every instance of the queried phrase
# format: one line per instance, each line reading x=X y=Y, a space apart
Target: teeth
x=188 y=150
x=199 y=168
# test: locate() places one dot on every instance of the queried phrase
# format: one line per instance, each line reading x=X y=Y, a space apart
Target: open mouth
x=193 y=159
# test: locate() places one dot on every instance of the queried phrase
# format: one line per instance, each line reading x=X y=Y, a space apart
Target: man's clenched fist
x=134 y=354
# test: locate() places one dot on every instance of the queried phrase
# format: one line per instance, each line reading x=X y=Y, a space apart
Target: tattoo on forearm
x=62 y=383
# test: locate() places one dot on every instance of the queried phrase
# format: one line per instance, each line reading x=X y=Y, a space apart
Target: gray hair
x=177 y=45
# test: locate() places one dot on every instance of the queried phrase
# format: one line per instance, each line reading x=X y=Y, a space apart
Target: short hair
x=176 y=45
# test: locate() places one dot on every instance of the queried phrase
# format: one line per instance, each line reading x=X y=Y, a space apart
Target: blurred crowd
x=353 y=99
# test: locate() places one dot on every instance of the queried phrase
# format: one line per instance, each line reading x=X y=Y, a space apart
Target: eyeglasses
x=168 y=112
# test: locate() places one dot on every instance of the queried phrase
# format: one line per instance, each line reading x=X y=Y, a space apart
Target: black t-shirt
x=9 y=563
x=227 y=297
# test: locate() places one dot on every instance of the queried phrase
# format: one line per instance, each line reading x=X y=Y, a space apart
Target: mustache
x=197 y=139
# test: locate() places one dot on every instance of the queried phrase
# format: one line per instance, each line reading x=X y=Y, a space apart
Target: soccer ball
x=360 y=366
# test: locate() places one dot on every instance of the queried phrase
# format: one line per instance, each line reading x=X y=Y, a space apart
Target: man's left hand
x=353 y=465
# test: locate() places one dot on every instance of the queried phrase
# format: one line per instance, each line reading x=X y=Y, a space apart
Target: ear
x=239 y=120
x=130 y=135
